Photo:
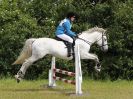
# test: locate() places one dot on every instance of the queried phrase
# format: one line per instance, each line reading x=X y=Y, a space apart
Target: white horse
x=37 y=48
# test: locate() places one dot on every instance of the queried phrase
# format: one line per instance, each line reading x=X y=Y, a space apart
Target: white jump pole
x=78 y=71
x=52 y=73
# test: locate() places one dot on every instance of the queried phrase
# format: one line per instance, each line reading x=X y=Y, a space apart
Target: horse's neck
x=91 y=37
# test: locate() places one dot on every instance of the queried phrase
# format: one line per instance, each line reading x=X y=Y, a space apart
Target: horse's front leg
x=86 y=55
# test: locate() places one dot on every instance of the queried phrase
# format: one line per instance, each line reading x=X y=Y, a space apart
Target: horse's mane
x=91 y=30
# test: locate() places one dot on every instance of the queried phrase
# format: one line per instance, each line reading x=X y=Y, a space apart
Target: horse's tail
x=26 y=52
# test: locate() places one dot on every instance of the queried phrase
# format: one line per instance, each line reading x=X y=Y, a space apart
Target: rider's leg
x=69 y=49
x=70 y=42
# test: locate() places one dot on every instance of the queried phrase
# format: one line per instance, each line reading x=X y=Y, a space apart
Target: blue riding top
x=65 y=28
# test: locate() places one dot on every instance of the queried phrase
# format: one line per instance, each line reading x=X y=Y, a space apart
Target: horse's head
x=96 y=35
x=102 y=39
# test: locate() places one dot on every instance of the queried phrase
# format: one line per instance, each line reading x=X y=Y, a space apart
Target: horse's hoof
x=98 y=69
x=18 y=79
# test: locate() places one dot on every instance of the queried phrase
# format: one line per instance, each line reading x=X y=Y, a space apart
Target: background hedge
x=23 y=19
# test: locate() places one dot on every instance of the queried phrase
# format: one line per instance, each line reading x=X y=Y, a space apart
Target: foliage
x=23 y=19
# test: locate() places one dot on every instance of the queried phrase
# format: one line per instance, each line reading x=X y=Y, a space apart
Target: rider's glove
x=76 y=36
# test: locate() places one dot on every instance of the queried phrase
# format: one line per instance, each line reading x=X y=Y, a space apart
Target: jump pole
x=52 y=74
x=78 y=71
x=77 y=74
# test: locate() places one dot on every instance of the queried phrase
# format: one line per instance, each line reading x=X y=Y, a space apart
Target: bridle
x=103 y=34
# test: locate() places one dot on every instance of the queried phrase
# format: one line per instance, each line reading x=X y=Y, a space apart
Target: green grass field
x=9 y=89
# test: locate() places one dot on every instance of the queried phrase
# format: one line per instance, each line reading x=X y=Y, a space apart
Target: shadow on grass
x=46 y=90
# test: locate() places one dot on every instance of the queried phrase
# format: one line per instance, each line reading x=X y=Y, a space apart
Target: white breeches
x=65 y=37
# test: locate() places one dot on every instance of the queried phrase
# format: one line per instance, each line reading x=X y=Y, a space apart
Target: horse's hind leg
x=24 y=67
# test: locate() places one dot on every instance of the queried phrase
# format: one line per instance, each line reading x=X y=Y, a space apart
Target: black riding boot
x=69 y=46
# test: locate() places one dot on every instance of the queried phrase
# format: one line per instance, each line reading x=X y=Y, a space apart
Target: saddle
x=68 y=45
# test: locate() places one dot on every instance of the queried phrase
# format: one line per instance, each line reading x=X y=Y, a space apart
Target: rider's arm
x=68 y=31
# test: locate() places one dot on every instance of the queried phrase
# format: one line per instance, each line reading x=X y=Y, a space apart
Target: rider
x=64 y=32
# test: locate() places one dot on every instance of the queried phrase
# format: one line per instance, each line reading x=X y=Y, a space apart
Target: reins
x=88 y=42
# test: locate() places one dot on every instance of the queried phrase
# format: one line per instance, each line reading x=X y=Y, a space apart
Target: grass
x=9 y=89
